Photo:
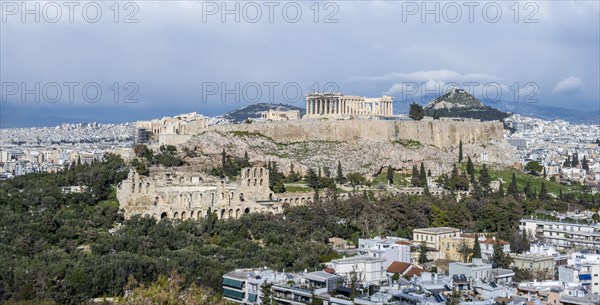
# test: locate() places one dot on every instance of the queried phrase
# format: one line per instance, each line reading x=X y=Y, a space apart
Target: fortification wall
x=436 y=133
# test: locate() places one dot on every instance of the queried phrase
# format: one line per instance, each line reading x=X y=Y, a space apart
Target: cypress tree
x=470 y=167
x=585 y=165
x=415 y=179
x=512 y=187
x=390 y=174
x=476 y=247
x=501 y=190
x=543 y=192
x=340 y=175
x=422 y=175
x=460 y=152
x=575 y=161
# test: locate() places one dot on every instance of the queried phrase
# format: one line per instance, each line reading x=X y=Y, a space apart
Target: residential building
x=432 y=238
x=304 y=288
x=563 y=234
x=367 y=269
x=243 y=286
x=393 y=249
x=541 y=266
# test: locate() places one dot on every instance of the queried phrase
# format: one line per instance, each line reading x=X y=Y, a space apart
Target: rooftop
x=438 y=230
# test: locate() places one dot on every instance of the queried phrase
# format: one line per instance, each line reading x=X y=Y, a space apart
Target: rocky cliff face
x=357 y=153
x=441 y=134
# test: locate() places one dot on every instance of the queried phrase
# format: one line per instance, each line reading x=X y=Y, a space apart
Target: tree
x=512 y=187
x=265 y=290
x=524 y=242
x=460 y=152
x=485 y=180
x=543 y=192
x=390 y=175
x=454 y=298
x=169 y=291
x=416 y=112
x=224 y=164
x=476 y=247
x=423 y=253
x=422 y=176
x=545 y=175
x=534 y=167
x=465 y=251
x=311 y=178
x=499 y=258
x=567 y=162
x=585 y=165
x=356 y=179
x=470 y=166
x=575 y=161
x=415 y=179
x=340 y=175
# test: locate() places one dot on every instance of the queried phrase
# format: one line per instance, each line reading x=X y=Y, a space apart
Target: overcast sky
x=180 y=56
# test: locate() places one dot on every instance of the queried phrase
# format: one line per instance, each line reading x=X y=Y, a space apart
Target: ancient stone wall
x=437 y=133
x=185 y=195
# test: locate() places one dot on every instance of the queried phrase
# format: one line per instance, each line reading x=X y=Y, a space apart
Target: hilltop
x=460 y=103
x=253 y=111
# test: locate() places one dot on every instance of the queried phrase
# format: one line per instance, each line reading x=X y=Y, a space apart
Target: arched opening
x=192 y=215
x=270 y=196
x=164 y=215
x=246 y=210
x=230 y=213
x=237 y=213
x=175 y=215
x=241 y=196
x=199 y=215
x=182 y=215
x=222 y=214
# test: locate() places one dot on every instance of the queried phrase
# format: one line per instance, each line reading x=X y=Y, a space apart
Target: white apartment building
x=563 y=234
x=582 y=269
x=391 y=248
x=366 y=269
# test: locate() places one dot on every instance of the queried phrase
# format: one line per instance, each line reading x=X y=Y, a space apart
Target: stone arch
x=303 y=200
x=183 y=215
x=164 y=215
x=230 y=213
x=175 y=215
x=199 y=215
x=255 y=172
x=296 y=201
x=192 y=214
x=223 y=214
x=270 y=196
x=260 y=183
x=248 y=182
x=246 y=210
x=237 y=213
x=154 y=216
x=261 y=171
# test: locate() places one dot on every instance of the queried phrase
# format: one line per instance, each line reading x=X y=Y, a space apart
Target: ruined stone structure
x=338 y=105
x=184 y=195
x=276 y=115
x=171 y=130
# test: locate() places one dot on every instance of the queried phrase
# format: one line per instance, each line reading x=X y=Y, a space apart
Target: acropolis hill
x=362 y=133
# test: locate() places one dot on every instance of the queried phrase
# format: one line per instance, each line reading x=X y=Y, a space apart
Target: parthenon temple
x=337 y=104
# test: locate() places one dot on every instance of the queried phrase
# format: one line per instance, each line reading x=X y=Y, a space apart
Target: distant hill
x=253 y=111
x=548 y=112
x=460 y=103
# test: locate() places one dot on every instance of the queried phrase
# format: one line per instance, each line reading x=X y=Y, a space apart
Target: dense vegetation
x=66 y=248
